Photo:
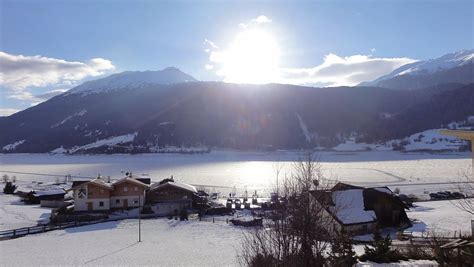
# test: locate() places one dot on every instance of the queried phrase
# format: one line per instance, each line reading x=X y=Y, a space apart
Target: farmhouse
x=99 y=195
x=127 y=192
x=169 y=197
x=360 y=210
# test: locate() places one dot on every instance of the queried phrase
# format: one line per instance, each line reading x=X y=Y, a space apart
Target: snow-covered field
x=442 y=217
x=165 y=243
x=15 y=214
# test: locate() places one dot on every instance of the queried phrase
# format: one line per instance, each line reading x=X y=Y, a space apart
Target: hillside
x=214 y=114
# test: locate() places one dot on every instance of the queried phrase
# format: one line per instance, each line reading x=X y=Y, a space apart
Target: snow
x=443 y=217
x=131 y=80
x=430 y=66
x=304 y=128
x=429 y=140
x=349 y=207
x=417 y=263
x=350 y=145
x=59 y=150
x=49 y=192
x=16 y=214
x=433 y=140
x=177 y=184
x=79 y=113
x=13 y=146
x=111 y=141
x=414 y=172
x=164 y=243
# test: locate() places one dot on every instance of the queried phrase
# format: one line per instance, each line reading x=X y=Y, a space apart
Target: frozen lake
x=411 y=172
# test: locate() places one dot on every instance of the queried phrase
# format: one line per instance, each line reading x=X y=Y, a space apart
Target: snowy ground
x=15 y=214
x=411 y=172
x=165 y=243
x=443 y=217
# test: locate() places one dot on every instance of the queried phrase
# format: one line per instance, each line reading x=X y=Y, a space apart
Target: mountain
x=151 y=117
x=455 y=67
x=133 y=79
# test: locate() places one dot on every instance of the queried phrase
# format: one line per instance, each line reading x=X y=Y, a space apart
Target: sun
x=253 y=57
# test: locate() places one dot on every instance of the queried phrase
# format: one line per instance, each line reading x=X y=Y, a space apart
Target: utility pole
x=139 y=221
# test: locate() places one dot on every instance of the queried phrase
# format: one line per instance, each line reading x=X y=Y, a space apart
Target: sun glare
x=252 y=58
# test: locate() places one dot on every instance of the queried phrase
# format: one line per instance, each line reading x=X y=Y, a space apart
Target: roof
x=99 y=182
x=342 y=186
x=131 y=180
x=349 y=207
x=179 y=185
x=49 y=192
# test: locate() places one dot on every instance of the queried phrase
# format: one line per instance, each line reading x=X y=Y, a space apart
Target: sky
x=48 y=47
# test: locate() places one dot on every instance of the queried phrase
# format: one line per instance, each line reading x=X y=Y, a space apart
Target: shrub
x=380 y=252
x=9 y=188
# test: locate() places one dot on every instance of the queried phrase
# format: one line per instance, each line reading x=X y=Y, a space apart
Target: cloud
x=339 y=71
x=258 y=20
x=19 y=73
x=8 y=111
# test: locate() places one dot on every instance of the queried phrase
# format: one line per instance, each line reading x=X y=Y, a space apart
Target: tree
x=298 y=235
x=380 y=251
x=466 y=187
x=342 y=253
x=9 y=188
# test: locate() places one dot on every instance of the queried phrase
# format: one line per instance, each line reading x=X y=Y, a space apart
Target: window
x=125 y=189
x=117 y=201
x=136 y=189
x=101 y=204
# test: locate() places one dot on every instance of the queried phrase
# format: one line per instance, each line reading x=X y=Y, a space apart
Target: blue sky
x=146 y=35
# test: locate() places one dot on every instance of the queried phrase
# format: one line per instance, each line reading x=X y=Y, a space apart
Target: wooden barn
x=360 y=210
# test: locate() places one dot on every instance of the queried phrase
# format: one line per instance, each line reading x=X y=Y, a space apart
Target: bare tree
x=298 y=235
x=466 y=187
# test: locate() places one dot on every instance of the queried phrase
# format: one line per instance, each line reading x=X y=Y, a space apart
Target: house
x=93 y=195
x=99 y=195
x=360 y=210
x=127 y=192
x=35 y=197
x=169 y=197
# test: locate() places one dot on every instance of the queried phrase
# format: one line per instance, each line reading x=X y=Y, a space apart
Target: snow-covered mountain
x=132 y=80
x=451 y=68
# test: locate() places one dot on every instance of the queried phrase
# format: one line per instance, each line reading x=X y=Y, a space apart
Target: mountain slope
x=455 y=67
x=133 y=79
x=216 y=114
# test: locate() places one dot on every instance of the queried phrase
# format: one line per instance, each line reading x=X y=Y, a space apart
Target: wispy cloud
x=20 y=73
x=339 y=71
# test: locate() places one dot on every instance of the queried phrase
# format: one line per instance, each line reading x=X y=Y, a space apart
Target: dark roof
x=342 y=186
x=76 y=183
x=144 y=180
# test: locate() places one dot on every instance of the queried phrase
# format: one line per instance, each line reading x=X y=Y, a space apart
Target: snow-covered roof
x=129 y=179
x=184 y=186
x=49 y=192
x=98 y=182
x=349 y=207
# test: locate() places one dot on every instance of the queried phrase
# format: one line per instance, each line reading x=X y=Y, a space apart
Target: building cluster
x=163 y=198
